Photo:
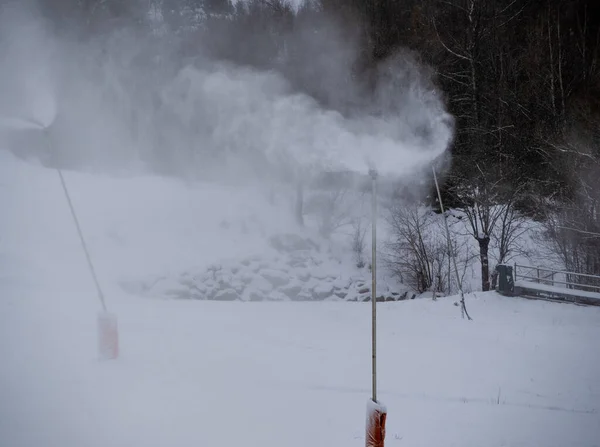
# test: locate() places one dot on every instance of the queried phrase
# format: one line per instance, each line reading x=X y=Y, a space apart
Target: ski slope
x=523 y=373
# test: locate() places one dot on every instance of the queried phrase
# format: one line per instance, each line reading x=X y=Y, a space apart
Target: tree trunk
x=299 y=207
x=552 y=88
x=484 y=244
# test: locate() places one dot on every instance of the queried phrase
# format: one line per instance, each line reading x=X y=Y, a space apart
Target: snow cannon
x=376 y=412
x=108 y=336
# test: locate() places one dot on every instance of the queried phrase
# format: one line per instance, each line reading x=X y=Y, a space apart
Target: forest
x=520 y=77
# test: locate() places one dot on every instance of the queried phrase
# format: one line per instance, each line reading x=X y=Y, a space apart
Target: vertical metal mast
x=373 y=174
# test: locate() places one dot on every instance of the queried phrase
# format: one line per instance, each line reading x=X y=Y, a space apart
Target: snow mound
x=299 y=271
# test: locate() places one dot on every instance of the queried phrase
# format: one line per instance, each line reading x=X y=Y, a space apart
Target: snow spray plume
x=26 y=80
x=125 y=100
x=317 y=114
x=248 y=114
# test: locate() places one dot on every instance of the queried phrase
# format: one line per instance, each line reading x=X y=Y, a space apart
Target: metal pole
x=450 y=269
x=463 y=308
x=81 y=238
x=373 y=174
x=83 y=244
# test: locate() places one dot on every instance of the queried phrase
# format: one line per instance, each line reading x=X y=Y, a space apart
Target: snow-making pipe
x=82 y=240
x=376 y=412
x=65 y=189
x=373 y=174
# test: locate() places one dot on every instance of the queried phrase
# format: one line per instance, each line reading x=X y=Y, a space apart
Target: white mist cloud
x=245 y=111
x=110 y=111
x=27 y=75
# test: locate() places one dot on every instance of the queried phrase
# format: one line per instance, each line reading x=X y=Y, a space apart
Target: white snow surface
x=523 y=373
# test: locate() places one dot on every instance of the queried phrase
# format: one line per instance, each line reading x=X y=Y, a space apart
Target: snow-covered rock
x=300 y=272
x=276 y=295
x=227 y=295
x=323 y=290
x=276 y=277
x=341 y=283
x=292 y=289
x=303 y=274
x=342 y=294
x=261 y=285
x=250 y=294
x=291 y=242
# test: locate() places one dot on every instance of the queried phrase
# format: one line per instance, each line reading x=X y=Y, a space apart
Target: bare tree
x=573 y=231
x=573 y=227
x=417 y=252
x=358 y=243
x=483 y=202
x=507 y=237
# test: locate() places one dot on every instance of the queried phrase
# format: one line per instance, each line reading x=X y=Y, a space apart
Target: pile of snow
x=300 y=271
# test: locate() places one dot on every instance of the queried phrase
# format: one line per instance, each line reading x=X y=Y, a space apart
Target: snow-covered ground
x=523 y=373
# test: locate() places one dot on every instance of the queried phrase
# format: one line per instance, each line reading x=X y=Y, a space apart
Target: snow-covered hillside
x=160 y=237
x=194 y=372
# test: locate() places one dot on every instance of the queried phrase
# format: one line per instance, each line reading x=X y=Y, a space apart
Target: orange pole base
x=108 y=336
x=376 y=417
